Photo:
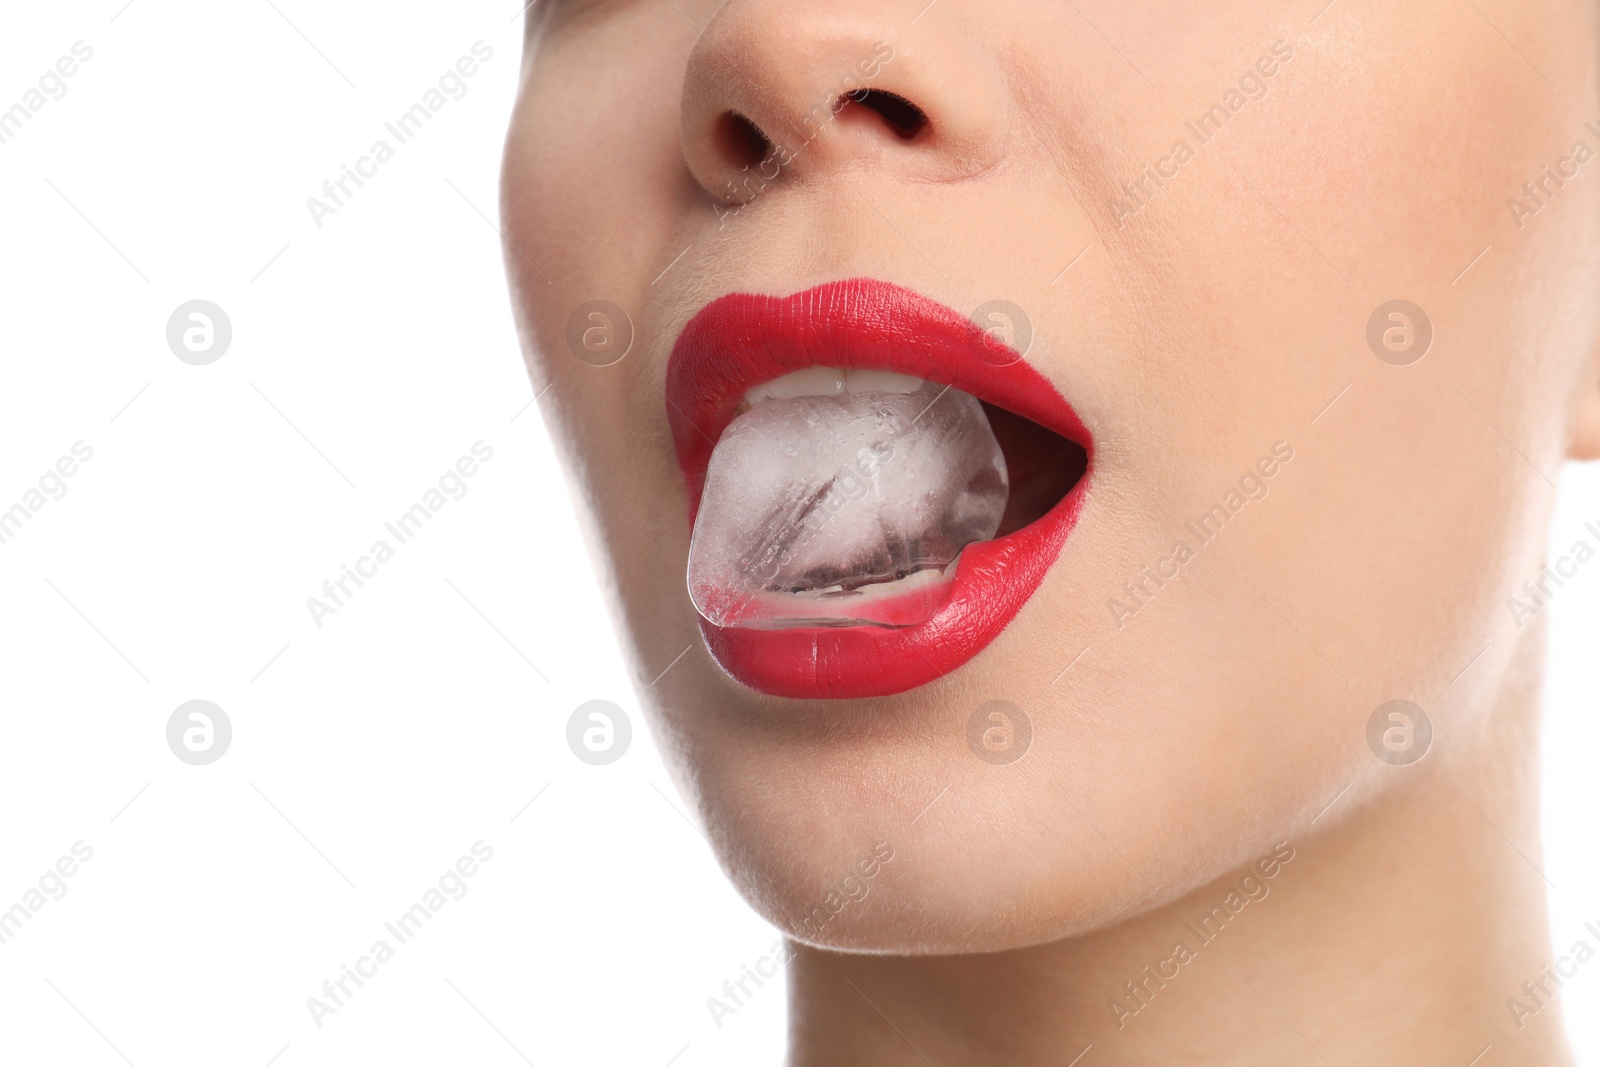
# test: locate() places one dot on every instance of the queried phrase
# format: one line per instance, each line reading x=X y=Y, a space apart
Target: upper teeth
x=831 y=381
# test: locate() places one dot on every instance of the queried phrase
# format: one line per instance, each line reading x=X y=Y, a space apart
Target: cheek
x=593 y=178
x=1370 y=156
x=1373 y=171
x=593 y=184
x=587 y=198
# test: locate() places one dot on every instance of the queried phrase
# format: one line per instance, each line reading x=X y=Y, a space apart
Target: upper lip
x=737 y=342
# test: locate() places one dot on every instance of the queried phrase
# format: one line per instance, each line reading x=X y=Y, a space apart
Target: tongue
x=844 y=510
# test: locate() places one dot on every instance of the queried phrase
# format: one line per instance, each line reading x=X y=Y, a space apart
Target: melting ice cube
x=844 y=510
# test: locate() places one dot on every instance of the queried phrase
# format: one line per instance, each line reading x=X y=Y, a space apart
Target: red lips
x=740 y=341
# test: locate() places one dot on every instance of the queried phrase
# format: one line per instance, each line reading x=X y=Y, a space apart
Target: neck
x=1403 y=934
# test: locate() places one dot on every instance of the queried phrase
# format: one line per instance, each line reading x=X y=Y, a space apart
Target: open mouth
x=876 y=486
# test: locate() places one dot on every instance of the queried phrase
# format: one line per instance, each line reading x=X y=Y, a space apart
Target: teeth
x=880 y=381
x=813 y=381
x=878 y=590
x=831 y=381
x=929 y=576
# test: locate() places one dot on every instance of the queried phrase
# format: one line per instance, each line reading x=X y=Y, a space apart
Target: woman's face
x=1302 y=500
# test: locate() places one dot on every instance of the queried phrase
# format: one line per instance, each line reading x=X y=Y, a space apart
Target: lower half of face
x=1053 y=454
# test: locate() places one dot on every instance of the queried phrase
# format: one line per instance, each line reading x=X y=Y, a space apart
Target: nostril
x=904 y=118
x=741 y=140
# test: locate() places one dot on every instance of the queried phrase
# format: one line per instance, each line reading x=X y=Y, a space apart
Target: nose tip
x=791 y=91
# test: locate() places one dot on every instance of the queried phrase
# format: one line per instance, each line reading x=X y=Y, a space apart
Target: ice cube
x=844 y=510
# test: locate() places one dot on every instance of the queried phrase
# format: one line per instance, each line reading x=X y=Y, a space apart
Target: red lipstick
x=739 y=341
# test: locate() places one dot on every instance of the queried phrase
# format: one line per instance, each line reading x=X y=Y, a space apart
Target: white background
x=368 y=754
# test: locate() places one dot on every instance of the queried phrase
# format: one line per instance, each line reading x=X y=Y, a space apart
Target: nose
x=798 y=90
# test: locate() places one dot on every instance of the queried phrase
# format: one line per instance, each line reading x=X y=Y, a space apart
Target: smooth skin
x=1173 y=745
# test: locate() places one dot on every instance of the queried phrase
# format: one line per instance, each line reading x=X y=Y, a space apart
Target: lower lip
x=865 y=323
